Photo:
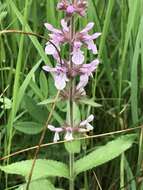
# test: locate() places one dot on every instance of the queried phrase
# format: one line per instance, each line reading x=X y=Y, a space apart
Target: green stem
x=122 y=184
x=71 y=163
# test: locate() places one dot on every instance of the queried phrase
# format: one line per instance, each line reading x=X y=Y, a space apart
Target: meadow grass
x=117 y=85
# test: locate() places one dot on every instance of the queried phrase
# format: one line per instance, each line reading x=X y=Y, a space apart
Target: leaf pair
x=49 y=168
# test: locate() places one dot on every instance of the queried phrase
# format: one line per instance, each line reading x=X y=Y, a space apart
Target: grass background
x=118 y=85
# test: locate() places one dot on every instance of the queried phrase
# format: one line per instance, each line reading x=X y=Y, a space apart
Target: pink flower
x=57 y=130
x=59 y=74
x=81 y=6
x=50 y=49
x=62 y=5
x=77 y=54
x=87 y=39
x=69 y=135
x=86 y=123
x=57 y=37
x=78 y=7
x=86 y=71
x=83 y=82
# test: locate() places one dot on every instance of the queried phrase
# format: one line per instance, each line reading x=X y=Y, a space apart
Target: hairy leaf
x=43 y=168
x=105 y=153
x=43 y=184
x=90 y=102
x=48 y=101
x=34 y=110
x=28 y=127
x=43 y=84
x=73 y=147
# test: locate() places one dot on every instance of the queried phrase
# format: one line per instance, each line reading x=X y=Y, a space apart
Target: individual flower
x=59 y=74
x=57 y=130
x=77 y=54
x=87 y=39
x=57 y=37
x=86 y=71
x=86 y=123
x=69 y=135
x=79 y=7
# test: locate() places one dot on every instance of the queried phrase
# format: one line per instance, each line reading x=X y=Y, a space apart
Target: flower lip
x=59 y=74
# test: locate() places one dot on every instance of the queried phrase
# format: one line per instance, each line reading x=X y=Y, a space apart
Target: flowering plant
x=71 y=75
x=69 y=69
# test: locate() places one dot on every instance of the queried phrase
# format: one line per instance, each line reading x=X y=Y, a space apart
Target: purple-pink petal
x=83 y=81
x=51 y=28
x=89 y=68
x=49 y=69
x=60 y=81
x=78 y=57
x=88 y=27
x=64 y=26
x=50 y=49
x=95 y=35
x=91 y=46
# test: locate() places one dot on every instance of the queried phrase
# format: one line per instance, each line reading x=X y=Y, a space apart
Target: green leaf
x=130 y=177
x=2 y=51
x=76 y=113
x=134 y=76
x=90 y=102
x=3 y=15
x=105 y=153
x=43 y=168
x=28 y=127
x=73 y=147
x=51 y=85
x=62 y=106
x=43 y=84
x=37 y=91
x=26 y=82
x=34 y=40
x=43 y=184
x=47 y=101
x=34 y=110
